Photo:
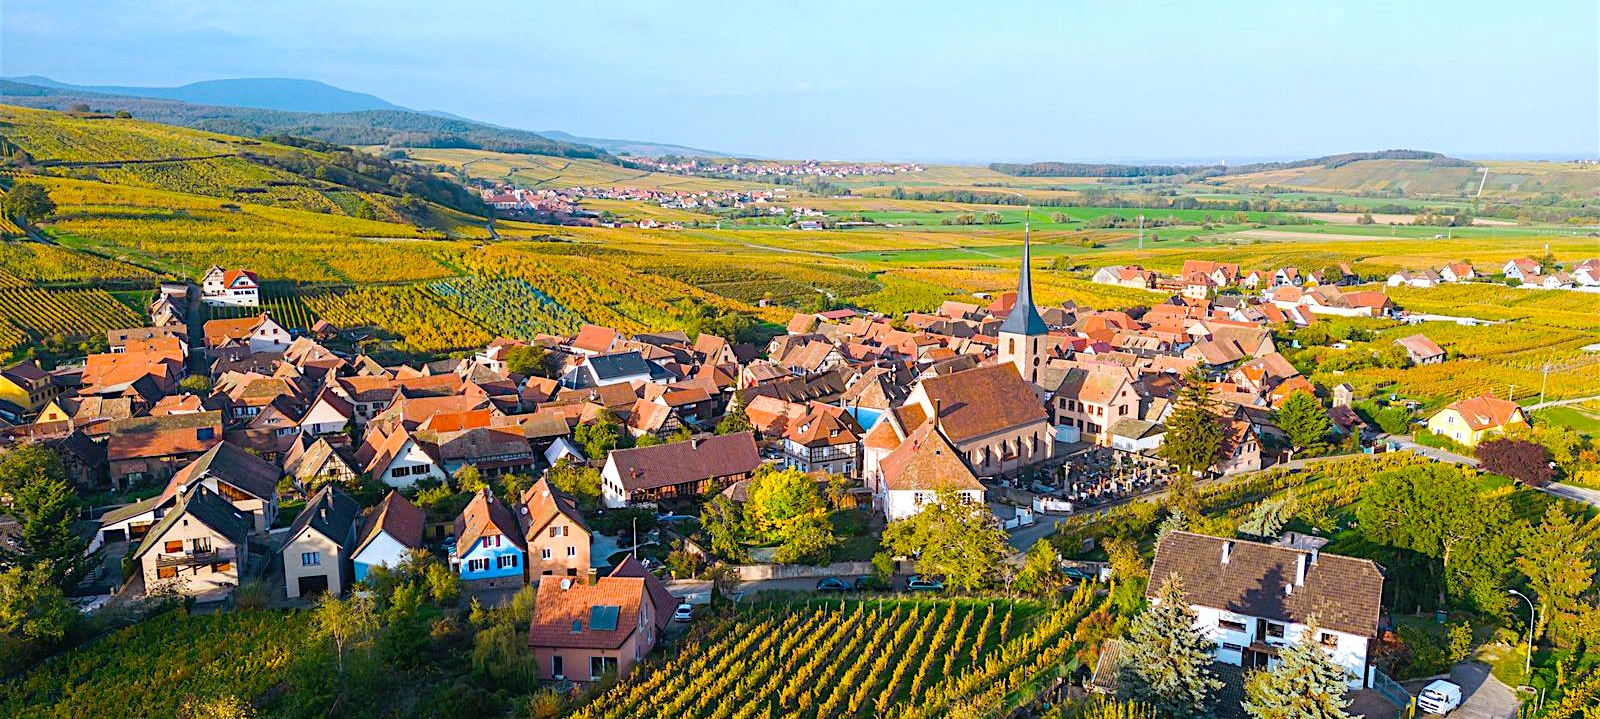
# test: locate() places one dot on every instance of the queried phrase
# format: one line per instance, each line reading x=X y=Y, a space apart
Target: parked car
x=1439 y=697
x=684 y=613
x=832 y=584
x=863 y=584
x=1079 y=574
x=919 y=583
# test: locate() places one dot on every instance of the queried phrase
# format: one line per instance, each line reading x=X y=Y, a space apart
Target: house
x=1241 y=448
x=556 y=536
x=825 y=439
x=402 y=459
x=1137 y=435
x=316 y=461
x=584 y=631
x=1521 y=269
x=489 y=550
x=259 y=334
x=1472 y=420
x=197 y=549
x=153 y=448
x=619 y=368
x=329 y=413
x=1587 y=273
x=1254 y=279
x=389 y=532
x=1287 y=277
x=1220 y=273
x=1457 y=272
x=28 y=386
x=1420 y=280
x=1421 y=350
x=1254 y=599
x=677 y=469
x=316 y=555
x=994 y=417
x=593 y=340
x=230 y=288
x=1125 y=276
x=913 y=473
x=1090 y=401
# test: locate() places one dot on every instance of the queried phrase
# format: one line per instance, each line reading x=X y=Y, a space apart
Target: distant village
x=757 y=168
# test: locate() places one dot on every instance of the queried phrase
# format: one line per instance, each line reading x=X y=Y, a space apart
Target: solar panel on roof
x=604 y=618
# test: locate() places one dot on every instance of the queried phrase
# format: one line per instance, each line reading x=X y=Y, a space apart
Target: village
x=587 y=467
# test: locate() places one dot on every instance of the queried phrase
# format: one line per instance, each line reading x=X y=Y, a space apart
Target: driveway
x=1577 y=494
x=1483 y=695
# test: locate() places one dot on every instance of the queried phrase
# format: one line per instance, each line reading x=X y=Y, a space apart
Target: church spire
x=1024 y=319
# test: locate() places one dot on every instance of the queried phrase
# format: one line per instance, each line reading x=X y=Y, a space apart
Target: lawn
x=1581 y=417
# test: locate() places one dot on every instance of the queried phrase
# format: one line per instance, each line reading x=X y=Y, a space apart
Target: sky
x=863 y=79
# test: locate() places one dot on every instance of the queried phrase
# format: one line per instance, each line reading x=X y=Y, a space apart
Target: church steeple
x=1024 y=318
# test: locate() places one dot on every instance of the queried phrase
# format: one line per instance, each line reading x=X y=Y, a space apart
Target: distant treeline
x=401 y=128
x=1088 y=169
x=369 y=173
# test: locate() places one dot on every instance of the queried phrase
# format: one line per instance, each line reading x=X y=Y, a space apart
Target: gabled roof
x=573 y=614
x=594 y=339
x=622 y=364
x=824 y=425
x=330 y=512
x=230 y=464
x=927 y=461
x=659 y=596
x=395 y=516
x=979 y=402
x=1419 y=346
x=206 y=507
x=486 y=516
x=164 y=436
x=542 y=503
x=663 y=465
x=1486 y=411
x=1345 y=594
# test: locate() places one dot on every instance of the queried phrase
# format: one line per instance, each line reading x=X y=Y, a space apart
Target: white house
x=1252 y=599
x=329 y=414
x=1137 y=435
x=619 y=368
x=261 y=333
x=402 y=460
x=1457 y=272
x=912 y=475
x=390 y=530
x=1521 y=269
x=230 y=288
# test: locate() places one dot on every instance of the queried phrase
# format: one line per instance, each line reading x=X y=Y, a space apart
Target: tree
x=531 y=361
x=346 y=623
x=1555 y=559
x=1516 y=458
x=735 y=420
x=469 y=479
x=1436 y=510
x=1194 y=432
x=1129 y=574
x=577 y=479
x=1041 y=570
x=952 y=537
x=1167 y=662
x=32 y=607
x=602 y=435
x=1269 y=517
x=196 y=384
x=1306 y=683
x=723 y=521
x=1304 y=420
x=26 y=462
x=28 y=201
x=808 y=539
x=46 y=506
x=778 y=497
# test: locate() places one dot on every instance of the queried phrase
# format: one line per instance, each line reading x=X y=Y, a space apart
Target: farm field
x=1423 y=178
x=536 y=171
x=287 y=306
x=864 y=658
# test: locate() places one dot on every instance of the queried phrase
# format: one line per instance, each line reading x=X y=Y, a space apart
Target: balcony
x=193 y=559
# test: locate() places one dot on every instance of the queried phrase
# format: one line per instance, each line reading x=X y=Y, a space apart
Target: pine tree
x=1305 y=684
x=1304 y=420
x=735 y=420
x=1194 y=432
x=1167 y=663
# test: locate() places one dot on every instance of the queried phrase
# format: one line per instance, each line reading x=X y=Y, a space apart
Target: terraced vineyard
x=410 y=312
x=33 y=313
x=866 y=658
x=27 y=263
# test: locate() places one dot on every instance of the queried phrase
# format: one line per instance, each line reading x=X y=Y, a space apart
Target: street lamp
x=1527 y=663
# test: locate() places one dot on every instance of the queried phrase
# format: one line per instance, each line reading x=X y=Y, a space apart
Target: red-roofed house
x=230 y=288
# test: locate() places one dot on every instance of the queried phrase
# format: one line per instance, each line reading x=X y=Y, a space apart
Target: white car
x=684 y=613
x=1439 y=697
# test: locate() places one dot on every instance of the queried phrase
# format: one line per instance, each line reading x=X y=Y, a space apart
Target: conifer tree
x=1194 y=431
x=1167 y=663
x=1306 y=684
x=1305 y=421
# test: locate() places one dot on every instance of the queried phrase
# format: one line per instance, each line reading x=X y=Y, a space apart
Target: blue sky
x=959 y=81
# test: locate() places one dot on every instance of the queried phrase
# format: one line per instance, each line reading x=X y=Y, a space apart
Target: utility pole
x=1544 y=382
x=1512 y=395
x=1141 y=233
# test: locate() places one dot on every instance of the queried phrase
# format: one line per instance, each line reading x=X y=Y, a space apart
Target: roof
x=824 y=425
x=659 y=596
x=566 y=609
x=1137 y=428
x=926 y=460
x=981 y=401
x=1023 y=319
x=663 y=465
x=594 y=339
x=397 y=517
x=1485 y=411
x=485 y=516
x=331 y=512
x=1419 y=346
x=622 y=364
x=1345 y=594
x=229 y=463
x=163 y=436
x=542 y=503
x=207 y=507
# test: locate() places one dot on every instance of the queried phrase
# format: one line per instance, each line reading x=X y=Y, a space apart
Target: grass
x=1578 y=417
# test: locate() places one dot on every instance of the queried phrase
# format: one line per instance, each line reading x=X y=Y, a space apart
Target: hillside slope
x=269 y=93
x=397 y=127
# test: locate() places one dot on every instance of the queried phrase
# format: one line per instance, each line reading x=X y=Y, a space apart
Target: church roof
x=1024 y=319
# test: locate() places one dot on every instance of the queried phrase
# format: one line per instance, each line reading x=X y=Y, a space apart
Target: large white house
x=1253 y=599
x=230 y=288
x=918 y=467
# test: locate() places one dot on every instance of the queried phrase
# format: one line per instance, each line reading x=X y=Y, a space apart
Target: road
x=1559 y=403
x=1565 y=491
x=1483 y=695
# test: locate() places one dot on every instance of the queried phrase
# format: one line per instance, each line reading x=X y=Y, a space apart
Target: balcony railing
x=187 y=559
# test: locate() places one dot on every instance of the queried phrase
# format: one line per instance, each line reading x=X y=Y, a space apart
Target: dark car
x=832 y=584
x=1081 y=575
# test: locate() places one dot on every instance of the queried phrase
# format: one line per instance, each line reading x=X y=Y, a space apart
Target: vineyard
x=418 y=318
x=31 y=313
x=1551 y=308
x=510 y=307
x=288 y=308
x=26 y=263
x=900 y=659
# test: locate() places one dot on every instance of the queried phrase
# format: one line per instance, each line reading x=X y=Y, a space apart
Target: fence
x=1391 y=690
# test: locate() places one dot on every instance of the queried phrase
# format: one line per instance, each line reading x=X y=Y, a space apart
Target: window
x=505 y=560
x=556 y=669
x=1329 y=640
x=572 y=551
x=555 y=531
x=544 y=553
x=310 y=559
x=222 y=567
x=477 y=565
x=1231 y=625
x=1275 y=630
x=173 y=547
x=200 y=544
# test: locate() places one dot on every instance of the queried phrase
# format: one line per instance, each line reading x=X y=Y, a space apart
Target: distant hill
x=635 y=148
x=391 y=125
x=268 y=93
x=1090 y=169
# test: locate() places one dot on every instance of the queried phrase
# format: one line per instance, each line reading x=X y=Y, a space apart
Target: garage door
x=313 y=585
x=115 y=535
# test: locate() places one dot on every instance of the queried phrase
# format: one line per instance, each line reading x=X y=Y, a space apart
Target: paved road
x=1576 y=494
x=1429 y=452
x=1483 y=696
x=1560 y=402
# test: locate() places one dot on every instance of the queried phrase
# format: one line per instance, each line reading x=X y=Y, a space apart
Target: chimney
x=1300 y=568
x=593 y=576
x=694 y=443
x=1227 y=550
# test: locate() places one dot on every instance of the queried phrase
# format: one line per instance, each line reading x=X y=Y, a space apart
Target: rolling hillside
x=1425 y=179
x=268 y=93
